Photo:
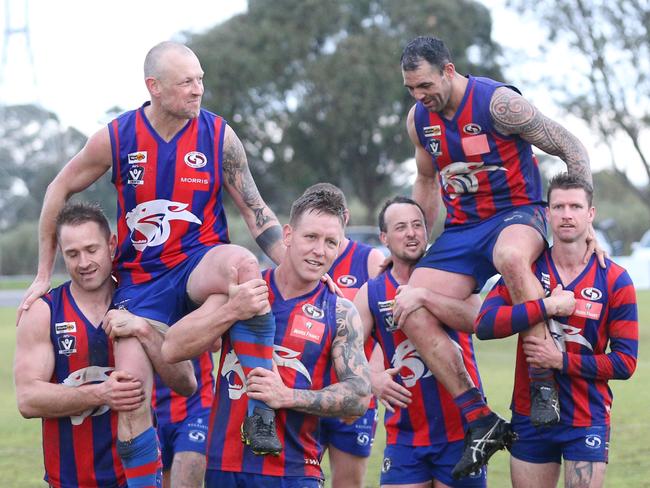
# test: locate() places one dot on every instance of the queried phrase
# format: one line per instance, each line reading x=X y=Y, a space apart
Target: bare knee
x=248 y=268
x=511 y=260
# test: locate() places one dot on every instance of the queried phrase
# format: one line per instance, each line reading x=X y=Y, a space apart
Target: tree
x=612 y=43
x=314 y=89
x=33 y=148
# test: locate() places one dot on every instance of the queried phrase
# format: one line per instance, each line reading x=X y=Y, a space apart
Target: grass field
x=21 y=463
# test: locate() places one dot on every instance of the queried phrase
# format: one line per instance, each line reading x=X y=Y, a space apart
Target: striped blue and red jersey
x=482 y=172
x=305 y=327
x=432 y=417
x=171 y=407
x=350 y=270
x=169 y=194
x=605 y=316
x=80 y=452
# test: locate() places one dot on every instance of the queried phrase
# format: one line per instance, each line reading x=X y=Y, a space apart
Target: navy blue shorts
x=190 y=435
x=551 y=444
x=164 y=299
x=228 y=479
x=356 y=438
x=404 y=465
x=467 y=249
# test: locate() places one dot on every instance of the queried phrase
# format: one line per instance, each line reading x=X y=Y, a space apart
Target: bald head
x=154 y=61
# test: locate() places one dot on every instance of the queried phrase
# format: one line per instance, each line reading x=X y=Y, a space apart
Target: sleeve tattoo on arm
x=345 y=397
x=238 y=175
x=513 y=114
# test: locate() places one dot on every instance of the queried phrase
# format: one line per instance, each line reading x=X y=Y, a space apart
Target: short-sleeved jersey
x=605 y=315
x=350 y=270
x=172 y=407
x=80 y=451
x=169 y=194
x=432 y=417
x=305 y=327
x=482 y=172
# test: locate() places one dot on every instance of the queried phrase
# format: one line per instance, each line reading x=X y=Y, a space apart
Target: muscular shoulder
x=34 y=323
x=511 y=113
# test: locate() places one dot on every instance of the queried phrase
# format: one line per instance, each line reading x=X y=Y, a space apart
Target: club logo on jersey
x=472 y=129
x=385 y=465
x=149 y=222
x=434 y=147
x=84 y=376
x=593 y=441
x=573 y=334
x=233 y=372
x=460 y=178
x=432 y=131
x=67 y=344
x=195 y=159
x=411 y=367
x=65 y=327
x=311 y=310
x=137 y=157
x=136 y=175
x=591 y=293
x=386 y=310
x=347 y=281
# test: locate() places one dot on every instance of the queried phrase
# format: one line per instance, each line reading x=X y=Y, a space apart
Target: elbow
x=481 y=330
x=26 y=408
x=360 y=400
x=186 y=388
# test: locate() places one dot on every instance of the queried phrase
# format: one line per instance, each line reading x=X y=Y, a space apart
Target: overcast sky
x=87 y=55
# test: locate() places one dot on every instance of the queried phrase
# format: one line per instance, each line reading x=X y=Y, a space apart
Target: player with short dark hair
x=590 y=310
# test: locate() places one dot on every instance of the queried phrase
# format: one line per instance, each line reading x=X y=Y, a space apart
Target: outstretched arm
x=81 y=171
x=426 y=188
x=260 y=219
x=347 y=398
x=513 y=114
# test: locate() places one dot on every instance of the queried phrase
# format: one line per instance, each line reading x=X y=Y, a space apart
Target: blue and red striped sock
x=252 y=341
x=472 y=405
x=141 y=460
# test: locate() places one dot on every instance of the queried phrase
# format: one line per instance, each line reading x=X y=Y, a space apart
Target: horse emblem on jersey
x=411 y=367
x=84 y=376
x=233 y=372
x=149 y=222
x=459 y=178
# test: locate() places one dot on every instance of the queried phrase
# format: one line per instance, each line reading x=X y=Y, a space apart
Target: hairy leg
x=188 y=471
x=584 y=474
x=348 y=470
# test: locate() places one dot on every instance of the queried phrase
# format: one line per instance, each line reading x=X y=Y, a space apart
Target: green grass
x=21 y=459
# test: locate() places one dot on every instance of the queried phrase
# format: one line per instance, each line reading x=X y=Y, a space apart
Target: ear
x=287 y=232
x=112 y=245
x=153 y=86
x=383 y=238
x=592 y=214
x=346 y=216
x=449 y=69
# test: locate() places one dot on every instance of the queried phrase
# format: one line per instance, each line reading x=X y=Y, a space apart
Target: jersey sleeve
x=623 y=329
x=498 y=318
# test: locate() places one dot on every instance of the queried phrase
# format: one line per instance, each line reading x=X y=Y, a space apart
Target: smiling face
x=87 y=254
x=312 y=244
x=405 y=235
x=178 y=88
x=430 y=85
x=569 y=214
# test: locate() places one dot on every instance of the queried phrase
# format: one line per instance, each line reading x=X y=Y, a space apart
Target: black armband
x=267 y=239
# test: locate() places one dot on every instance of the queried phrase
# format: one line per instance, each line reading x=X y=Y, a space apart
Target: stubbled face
x=180 y=85
x=313 y=244
x=406 y=235
x=569 y=215
x=87 y=254
x=428 y=85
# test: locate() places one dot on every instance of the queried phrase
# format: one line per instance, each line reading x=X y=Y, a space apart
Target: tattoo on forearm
x=579 y=474
x=344 y=398
x=513 y=114
x=269 y=238
x=235 y=169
